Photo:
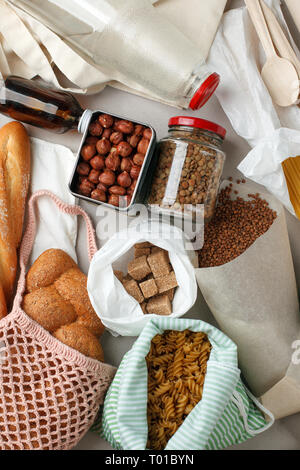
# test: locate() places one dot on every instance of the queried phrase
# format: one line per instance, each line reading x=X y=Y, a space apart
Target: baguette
x=3 y=309
x=14 y=184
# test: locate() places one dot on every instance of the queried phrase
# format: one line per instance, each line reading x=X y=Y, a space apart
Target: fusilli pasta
x=177 y=364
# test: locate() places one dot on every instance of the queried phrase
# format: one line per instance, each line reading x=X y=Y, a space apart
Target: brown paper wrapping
x=255 y=302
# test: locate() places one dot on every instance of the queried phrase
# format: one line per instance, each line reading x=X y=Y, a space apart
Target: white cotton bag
x=120 y=312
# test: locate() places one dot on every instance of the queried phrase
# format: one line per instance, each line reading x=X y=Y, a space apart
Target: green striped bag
x=227 y=414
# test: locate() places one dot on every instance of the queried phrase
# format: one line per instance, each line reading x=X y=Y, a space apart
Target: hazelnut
x=134 y=140
x=103 y=146
x=102 y=187
x=107 y=178
x=124 y=149
x=112 y=162
x=94 y=176
x=88 y=151
x=99 y=195
x=126 y=164
x=131 y=188
x=118 y=190
x=83 y=169
x=124 y=180
x=98 y=162
x=138 y=130
x=106 y=120
x=147 y=133
x=135 y=172
x=116 y=123
x=91 y=140
x=116 y=137
x=95 y=129
x=114 y=200
x=86 y=187
x=107 y=133
x=126 y=127
x=143 y=146
x=138 y=159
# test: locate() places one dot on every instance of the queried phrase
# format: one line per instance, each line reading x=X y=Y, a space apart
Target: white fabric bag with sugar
x=120 y=312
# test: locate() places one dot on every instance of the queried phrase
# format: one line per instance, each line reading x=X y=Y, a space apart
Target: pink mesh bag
x=49 y=393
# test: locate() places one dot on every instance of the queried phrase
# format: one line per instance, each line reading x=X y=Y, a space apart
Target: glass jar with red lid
x=189 y=168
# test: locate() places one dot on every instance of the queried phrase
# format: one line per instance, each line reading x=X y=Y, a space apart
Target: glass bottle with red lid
x=189 y=168
x=132 y=43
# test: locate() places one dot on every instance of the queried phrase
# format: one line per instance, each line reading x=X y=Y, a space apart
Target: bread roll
x=48 y=308
x=92 y=322
x=72 y=286
x=14 y=184
x=48 y=268
x=81 y=339
x=57 y=299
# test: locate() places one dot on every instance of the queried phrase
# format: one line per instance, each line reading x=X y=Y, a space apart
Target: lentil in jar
x=189 y=168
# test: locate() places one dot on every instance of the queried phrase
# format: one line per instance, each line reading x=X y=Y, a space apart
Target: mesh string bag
x=49 y=393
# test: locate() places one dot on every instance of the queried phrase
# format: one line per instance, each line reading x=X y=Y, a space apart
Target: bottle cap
x=85 y=121
x=188 y=121
x=205 y=91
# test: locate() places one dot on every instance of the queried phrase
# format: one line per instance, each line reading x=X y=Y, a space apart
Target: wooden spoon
x=279 y=74
x=294 y=8
x=280 y=40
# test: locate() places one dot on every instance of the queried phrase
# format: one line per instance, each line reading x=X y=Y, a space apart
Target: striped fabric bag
x=228 y=413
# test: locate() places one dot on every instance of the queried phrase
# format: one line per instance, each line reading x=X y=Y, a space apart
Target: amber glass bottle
x=33 y=102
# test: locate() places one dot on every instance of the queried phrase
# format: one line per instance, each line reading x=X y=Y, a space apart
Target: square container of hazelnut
x=113 y=162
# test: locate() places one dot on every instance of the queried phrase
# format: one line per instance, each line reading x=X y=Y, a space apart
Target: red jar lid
x=199 y=124
x=205 y=91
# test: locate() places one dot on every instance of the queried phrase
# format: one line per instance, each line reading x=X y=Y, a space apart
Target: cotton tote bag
x=228 y=413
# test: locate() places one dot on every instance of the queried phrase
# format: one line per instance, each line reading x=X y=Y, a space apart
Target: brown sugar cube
x=119 y=275
x=144 y=307
x=159 y=263
x=170 y=293
x=149 y=288
x=139 y=268
x=166 y=283
x=133 y=289
x=143 y=245
x=138 y=252
x=157 y=249
x=159 y=305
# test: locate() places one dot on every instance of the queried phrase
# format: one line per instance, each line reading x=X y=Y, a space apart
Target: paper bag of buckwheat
x=254 y=296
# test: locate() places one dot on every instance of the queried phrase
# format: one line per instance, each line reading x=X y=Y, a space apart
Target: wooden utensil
x=294 y=8
x=279 y=74
x=279 y=38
